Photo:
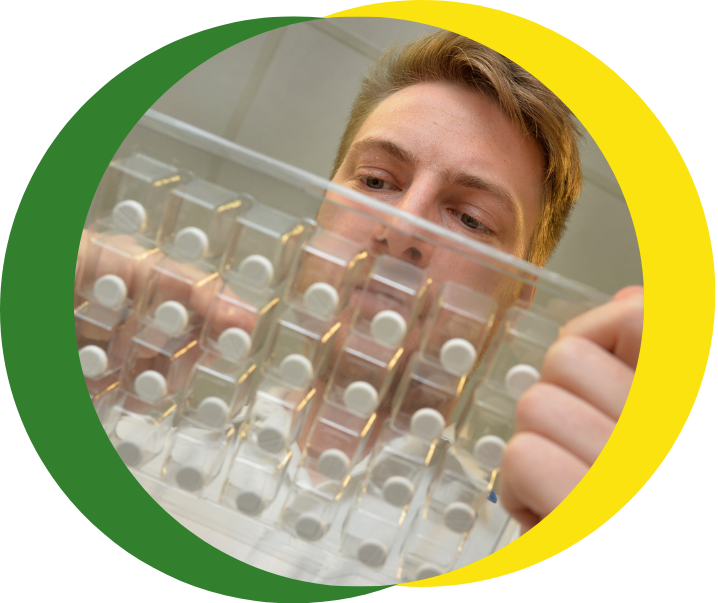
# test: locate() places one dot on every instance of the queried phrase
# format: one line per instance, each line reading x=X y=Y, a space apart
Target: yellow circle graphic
x=677 y=263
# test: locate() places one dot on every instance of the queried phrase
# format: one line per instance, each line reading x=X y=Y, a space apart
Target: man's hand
x=564 y=421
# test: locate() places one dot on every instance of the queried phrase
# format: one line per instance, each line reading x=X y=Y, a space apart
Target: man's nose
x=399 y=237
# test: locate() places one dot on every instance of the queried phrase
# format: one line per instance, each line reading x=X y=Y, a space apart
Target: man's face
x=448 y=155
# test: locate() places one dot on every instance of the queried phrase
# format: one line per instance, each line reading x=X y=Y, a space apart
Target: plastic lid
x=93 y=361
x=234 y=343
x=257 y=271
x=459 y=517
x=372 y=553
x=213 y=411
x=296 y=370
x=130 y=453
x=388 y=327
x=457 y=356
x=190 y=479
x=310 y=527
x=427 y=423
x=129 y=216
x=361 y=397
x=334 y=464
x=171 y=317
x=191 y=244
x=150 y=386
x=428 y=570
x=488 y=451
x=271 y=438
x=398 y=491
x=249 y=502
x=519 y=378
x=110 y=291
x=322 y=299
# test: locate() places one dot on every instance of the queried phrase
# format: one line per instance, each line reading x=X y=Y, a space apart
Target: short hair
x=536 y=111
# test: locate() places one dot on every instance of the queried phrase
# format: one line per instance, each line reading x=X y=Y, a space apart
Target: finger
x=588 y=371
x=536 y=475
x=616 y=326
x=565 y=419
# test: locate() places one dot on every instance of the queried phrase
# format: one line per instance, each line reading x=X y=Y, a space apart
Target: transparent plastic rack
x=314 y=382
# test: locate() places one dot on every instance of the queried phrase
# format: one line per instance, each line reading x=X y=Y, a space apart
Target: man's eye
x=474 y=224
x=375 y=183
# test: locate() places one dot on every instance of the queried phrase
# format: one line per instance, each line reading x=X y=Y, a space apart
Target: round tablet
x=398 y=490
x=372 y=553
x=271 y=438
x=334 y=464
x=361 y=397
x=322 y=299
x=213 y=411
x=171 y=317
x=191 y=244
x=488 y=451
x=257 y=271
x=519 y=378
x=93 y=361
x=428 y=570
x=457 y=356
x=110 y=291
x=234 y=343
x=249 y=503
x=459 y=517
x=388 y=327
x=190 y=479
x=309 y=527
x=150 y=386
x=130 y=453
x=129 y=216
x=296 y=370
x=427 y=423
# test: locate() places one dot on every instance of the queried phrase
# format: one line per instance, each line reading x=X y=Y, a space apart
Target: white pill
x=191 y=244
x=249 y=503
x=388 y=328
x=398 y=491
x=129 y=216
x=361 y=397
x=234 y=343
x=457 y=356
x=488 y=451
x=427 y=423
x=519 y=378
x=150 y=386
x=213 y=411
x=428 y=570
x=130 y=453
x=190 y=479
x=271 y=438
x=171 y=317
x=257 y=271
x=372 y=553
x=334 y=464
x=310 y=527
x=93 y=360
x=322 y=299
x=296 y=370
x=459 y=517
x=110 y=291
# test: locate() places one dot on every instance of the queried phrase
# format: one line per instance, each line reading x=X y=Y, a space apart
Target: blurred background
x=287 y=94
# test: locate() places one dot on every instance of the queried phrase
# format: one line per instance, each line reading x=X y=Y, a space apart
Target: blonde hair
x=533 y=108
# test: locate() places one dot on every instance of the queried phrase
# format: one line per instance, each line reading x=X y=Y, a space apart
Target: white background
x=56 y=55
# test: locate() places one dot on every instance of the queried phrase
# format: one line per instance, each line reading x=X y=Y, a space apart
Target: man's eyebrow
x=481 y=184
x=391 y=148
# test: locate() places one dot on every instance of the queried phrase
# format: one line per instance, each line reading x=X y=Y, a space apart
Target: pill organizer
x=314 y=382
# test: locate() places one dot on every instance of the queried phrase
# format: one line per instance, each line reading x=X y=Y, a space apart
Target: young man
x=448 y=130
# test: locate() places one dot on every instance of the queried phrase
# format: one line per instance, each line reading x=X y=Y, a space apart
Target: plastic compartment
x=311 y=507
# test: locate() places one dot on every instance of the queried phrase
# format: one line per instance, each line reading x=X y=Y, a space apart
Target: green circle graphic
x=35 y=305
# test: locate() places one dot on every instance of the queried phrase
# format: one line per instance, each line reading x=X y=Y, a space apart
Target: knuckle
x=561 y=353
x=530 y=407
